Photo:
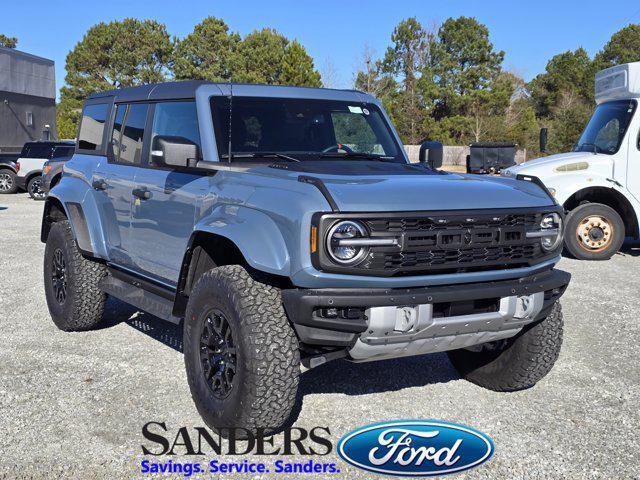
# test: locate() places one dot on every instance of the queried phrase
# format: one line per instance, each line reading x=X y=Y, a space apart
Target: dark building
x=27 y=99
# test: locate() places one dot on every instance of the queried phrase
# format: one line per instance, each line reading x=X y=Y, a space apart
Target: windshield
x=606 y=129
x=302 y=129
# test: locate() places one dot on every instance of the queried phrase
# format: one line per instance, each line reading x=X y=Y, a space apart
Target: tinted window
x=306 y=129
x=128 y=133
x=92 y=126
x=36 y=150
x=176 y=119
x=62 y=152
x=121 y=110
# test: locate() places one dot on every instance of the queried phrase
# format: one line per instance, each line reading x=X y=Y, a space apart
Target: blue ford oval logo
x=415 y=448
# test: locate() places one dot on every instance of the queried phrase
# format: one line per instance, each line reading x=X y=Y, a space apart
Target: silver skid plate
x=413 y=330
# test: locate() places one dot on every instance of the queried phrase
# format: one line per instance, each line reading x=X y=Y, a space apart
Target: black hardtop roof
x=154 y=91
x=175 y=90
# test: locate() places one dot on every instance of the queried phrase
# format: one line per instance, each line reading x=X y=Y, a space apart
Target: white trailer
x=598 y=183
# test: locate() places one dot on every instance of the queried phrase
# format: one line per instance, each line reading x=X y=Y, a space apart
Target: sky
x=335 y=33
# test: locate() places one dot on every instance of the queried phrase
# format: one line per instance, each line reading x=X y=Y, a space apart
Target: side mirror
x=434 y=157
x=173 y=151
x=544 y=132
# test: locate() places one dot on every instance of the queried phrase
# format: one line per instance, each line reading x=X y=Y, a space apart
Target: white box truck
x=598 y=183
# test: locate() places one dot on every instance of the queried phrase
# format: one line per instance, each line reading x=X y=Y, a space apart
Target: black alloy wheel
x=35 y=189
x=218 y=354
x=59 y=276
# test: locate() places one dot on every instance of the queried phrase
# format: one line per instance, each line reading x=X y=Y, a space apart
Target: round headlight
x=338 y=245
x=553 y=223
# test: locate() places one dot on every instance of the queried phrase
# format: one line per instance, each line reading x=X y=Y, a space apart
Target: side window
x=39 y=151
x=175 y=119
x=92 y=124
x=128 y=133
x=116 y=134
x=59 y=152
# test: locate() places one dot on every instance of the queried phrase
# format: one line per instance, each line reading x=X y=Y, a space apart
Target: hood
x=545 y=167
x=420 y=191
x=442 y=192
x=555 y=160
x=558 y=157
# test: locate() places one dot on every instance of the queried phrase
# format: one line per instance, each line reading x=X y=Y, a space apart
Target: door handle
x=141 y=193
x=99 y=184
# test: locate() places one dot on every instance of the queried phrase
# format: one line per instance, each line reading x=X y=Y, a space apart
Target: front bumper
x=305 y=309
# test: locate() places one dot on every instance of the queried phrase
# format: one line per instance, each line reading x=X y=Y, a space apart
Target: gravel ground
x=73 y=404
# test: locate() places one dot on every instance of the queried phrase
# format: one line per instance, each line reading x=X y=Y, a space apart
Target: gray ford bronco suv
x=285 y=227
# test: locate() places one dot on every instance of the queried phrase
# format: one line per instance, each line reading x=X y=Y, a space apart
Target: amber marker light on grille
x=314 y=239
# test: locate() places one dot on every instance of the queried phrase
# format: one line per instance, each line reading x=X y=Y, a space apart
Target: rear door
x=162 y=222
x=114 y=179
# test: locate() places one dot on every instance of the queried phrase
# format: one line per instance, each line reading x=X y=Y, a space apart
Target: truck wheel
x=240 y=352
x=515 y=363
x=594 y=232
x=8 y=182
x=34 y=187
x=71 y=282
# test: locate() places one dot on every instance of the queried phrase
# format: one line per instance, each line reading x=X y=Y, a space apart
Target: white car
x=599 y=182
x=31 y=161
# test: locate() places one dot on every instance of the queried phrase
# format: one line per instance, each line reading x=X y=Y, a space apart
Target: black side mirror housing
x=434 y=157
x=544 y=132
x=172 y=151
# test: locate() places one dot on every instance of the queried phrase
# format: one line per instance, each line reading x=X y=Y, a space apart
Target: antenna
x=230 y=153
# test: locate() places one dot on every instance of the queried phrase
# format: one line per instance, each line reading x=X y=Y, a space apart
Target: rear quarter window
x=92 y=126
x=39 y=151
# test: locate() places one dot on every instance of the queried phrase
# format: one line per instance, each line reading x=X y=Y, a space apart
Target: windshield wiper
x=280 y=156
x=595 y=147
x=358 y=156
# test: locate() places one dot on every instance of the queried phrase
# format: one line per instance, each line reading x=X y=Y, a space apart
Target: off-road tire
x=576 y=249
x=84 y=303
x=34 y=186
x=10 y=185
x=520 y=362
x=268 y=360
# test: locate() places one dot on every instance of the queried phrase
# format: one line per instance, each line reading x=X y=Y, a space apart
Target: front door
x=163 y=217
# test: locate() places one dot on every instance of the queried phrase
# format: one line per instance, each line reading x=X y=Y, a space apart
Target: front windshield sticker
x=365 y=111
x=353 y=109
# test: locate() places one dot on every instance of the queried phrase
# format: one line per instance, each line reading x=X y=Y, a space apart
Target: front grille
x=468 y=259
x=433 y=222
x=449 y=242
